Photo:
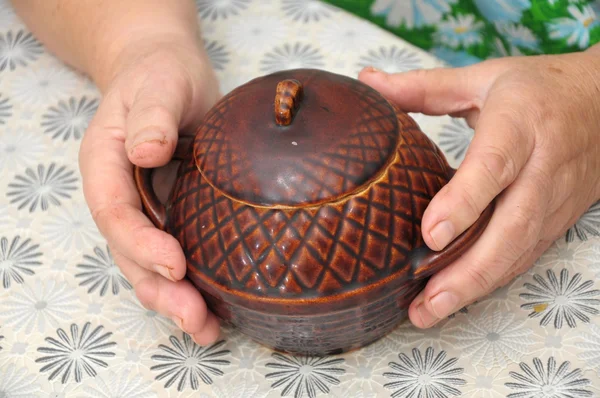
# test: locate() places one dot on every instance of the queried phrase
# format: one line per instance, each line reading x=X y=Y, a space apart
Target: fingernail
x=148 y=135
x=372 y=69
x=442 y=234
x=164 y=270
x=197 y=341
x=444 y=304
x=427 y=319
x=202 y=340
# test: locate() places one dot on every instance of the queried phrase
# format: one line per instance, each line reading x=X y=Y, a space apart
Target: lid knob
x=288 y=95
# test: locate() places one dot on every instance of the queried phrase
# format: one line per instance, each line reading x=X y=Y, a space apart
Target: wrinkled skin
x=536 y=151
x=157 y=91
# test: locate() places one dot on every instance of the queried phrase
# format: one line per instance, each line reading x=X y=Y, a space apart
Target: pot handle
x=152 y=206
x=426 y=262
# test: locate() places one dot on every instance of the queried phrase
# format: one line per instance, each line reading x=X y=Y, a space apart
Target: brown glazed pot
x=299 y=206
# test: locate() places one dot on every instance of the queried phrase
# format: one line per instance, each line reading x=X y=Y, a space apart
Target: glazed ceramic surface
x=71 y=324
x=298 y=207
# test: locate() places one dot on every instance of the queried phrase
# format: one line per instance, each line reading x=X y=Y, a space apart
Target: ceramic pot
x=298 y=206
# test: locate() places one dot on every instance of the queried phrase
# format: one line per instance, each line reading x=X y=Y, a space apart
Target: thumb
x=153 y=127
x=437 y=91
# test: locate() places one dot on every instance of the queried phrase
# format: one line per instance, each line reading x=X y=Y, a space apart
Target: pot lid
x=296 y=138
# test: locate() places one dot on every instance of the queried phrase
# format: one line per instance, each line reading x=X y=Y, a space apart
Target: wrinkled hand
x=157 y=90
x=536 y=150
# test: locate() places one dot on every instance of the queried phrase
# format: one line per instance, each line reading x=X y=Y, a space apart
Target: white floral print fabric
x=71 y=326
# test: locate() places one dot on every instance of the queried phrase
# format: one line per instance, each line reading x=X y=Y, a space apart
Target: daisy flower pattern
x=18 y=350
x=415 y=337
x=17 y=258
x=492 y=338
x=65 y=303
x=133 y=356
x=291 y=56
x=501 y=51
x=39 y=87
x=19 y=148
x=256 y=35
x=391 y=60
x=18 y=49
x=4 y=217
x=100 y=273
x=355 y=393
x=304 y=376
x=360 y=372
x=575 y=30
x=563 y=254
x=42 y=187
x=461 y=30
x=7 y=14
x=17 y=382
x=138 y=323
x=121 y=384
x=215 y=9
x=218 y=55
x=456 y=137
x=306 y=10
x=505 y=297
x=247 y=358
x=238 y=387
x=392 y=342
x=58 y=390
x=344 y=37
x=185 y=363
x=69 y=118
x=561 y=299
x=553 y=342
x=83 y=350
x=39 y=306
x=5 y=109
x=71 y=227
x=548 y=381
x=413 y=13
x=455 y=58
x=424 y=376
x=587 y=226
x=590 y=347
x=485 y=384
x=594 y=265
x=502 y=10
x=518 y=36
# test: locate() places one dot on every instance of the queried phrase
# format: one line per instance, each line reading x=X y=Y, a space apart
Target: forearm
x=94 y=35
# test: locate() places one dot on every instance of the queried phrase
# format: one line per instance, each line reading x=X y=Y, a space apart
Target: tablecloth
x=71 y=325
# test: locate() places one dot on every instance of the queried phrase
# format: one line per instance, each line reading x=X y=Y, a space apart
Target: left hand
x=536 y=151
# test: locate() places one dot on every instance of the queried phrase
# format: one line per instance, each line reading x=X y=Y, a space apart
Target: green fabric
x=464 y=32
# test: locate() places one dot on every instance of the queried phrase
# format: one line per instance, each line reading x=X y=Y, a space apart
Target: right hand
x=156 y=89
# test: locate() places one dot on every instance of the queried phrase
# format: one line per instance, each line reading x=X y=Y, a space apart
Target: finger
x=512 y=233
x=211 y=331
x=179 y=301
x=113 y=199
x=423 y=319
x=153 y=121
x=438 y=91
x=497 y=153
x=524 y=263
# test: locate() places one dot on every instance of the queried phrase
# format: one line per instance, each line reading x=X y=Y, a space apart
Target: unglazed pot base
x=298 y=207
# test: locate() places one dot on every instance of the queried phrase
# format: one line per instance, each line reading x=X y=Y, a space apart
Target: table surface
x=72 y=327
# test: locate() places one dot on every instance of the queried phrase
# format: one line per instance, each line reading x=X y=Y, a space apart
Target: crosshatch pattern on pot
x=259 y=249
